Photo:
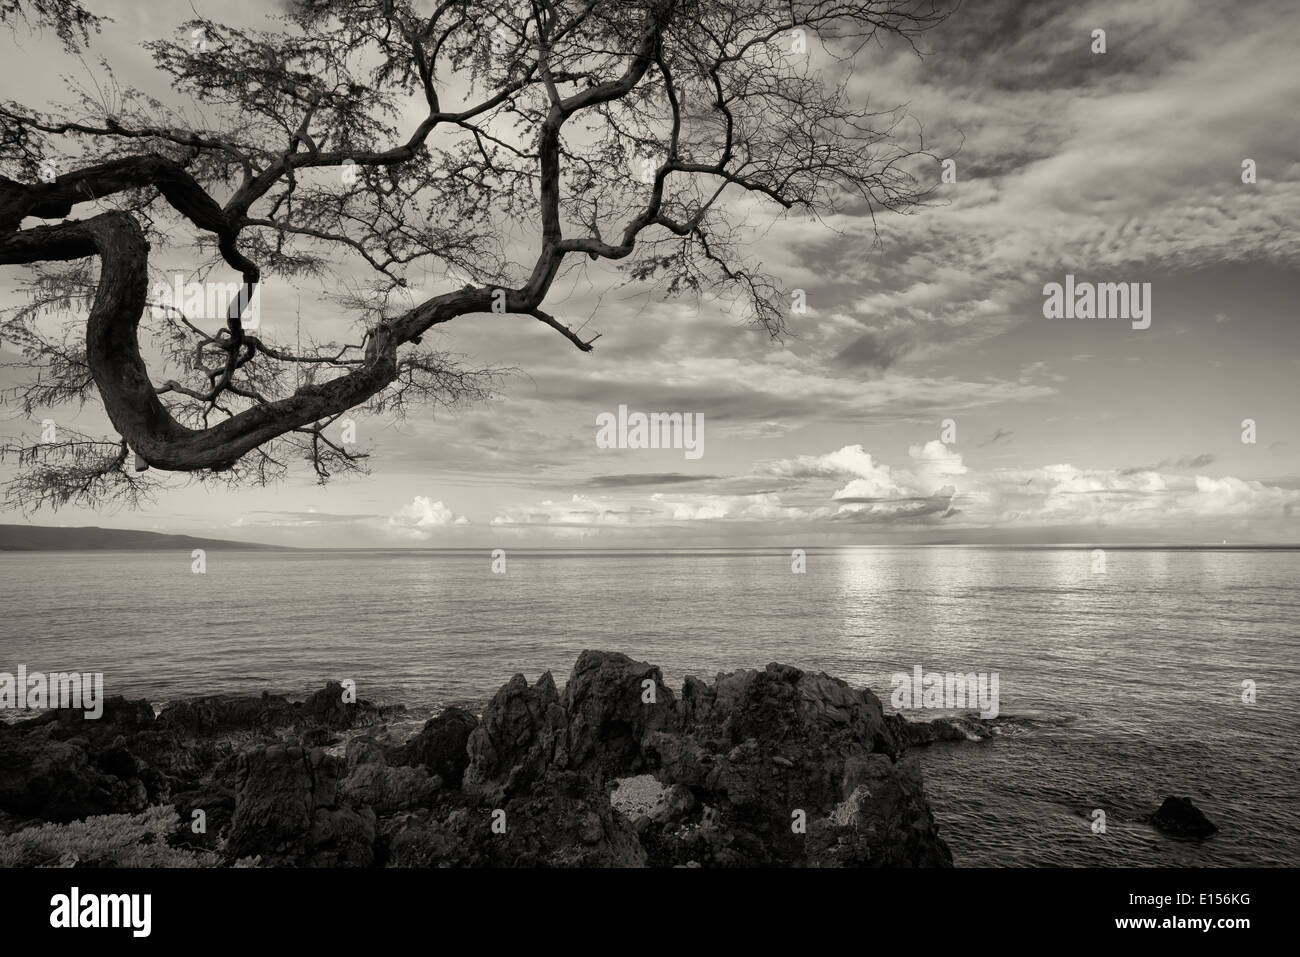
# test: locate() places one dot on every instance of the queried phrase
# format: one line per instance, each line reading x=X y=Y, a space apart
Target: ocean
x=1117 y=688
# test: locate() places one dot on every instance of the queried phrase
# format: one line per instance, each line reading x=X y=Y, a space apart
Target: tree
x=619 y=129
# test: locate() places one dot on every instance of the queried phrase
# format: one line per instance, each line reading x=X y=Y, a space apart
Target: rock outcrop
x=787 y=768
x=232 y=714
x=771 y=767
x=441 y=747
x=290 y=810
x=61 y=766
x=765 y=768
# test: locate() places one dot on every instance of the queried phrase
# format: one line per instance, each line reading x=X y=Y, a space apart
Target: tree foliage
x=497 y=143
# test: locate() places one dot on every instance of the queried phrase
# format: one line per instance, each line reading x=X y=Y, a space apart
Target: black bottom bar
x=968 y=907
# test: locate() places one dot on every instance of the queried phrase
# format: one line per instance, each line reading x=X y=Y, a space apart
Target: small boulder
x=1179 y=817
x=326 y=708
x=441 y=747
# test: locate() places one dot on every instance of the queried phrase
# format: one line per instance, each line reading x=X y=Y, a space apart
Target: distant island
x=45 y=538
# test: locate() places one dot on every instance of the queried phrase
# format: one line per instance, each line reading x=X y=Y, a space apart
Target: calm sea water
x=1126 y=686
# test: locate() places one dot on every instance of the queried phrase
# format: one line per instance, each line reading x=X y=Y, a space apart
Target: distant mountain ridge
x=41 y=538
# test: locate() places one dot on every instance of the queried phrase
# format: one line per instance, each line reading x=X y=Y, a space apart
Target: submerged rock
x=966 y=727
x=1179 y=817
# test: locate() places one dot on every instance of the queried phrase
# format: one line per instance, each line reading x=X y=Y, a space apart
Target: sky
x=922 y=397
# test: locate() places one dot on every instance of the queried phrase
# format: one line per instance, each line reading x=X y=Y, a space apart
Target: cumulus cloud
x=424 y=513
x=852 y=461
x=932 y=488
x=932 y=466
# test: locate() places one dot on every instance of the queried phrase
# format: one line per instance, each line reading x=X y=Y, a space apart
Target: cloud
x=873 y=350
x=424 y=513
x=312 y=515
x=851 y=461
x=931 y=468
x=1182 y=462
x=647 y=478
x=903 y=511
x=934 y=487
x=658 y=509
x=1121 y=166
x=275 y=518
x=1132 y=169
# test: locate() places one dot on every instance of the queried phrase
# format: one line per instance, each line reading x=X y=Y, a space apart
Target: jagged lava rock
x=288 y=811
x=441 y=747
x=371 y=782
x=755 y=747
x=516 y=740
x=327 y=708
x=214 y=715
x=61 y=766
x=752 y=749
x=737 y=759
x=609 y=715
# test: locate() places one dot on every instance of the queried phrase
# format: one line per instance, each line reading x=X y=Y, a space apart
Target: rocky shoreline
x=776 y=767
x=772 y=768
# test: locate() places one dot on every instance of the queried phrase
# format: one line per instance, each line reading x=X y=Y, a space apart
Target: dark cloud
x=933 y=508
x=1195 y=462
x=1014 y=46
x=647 y=478
x=1182 y=462
x=872 y=350
x=726 y=403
